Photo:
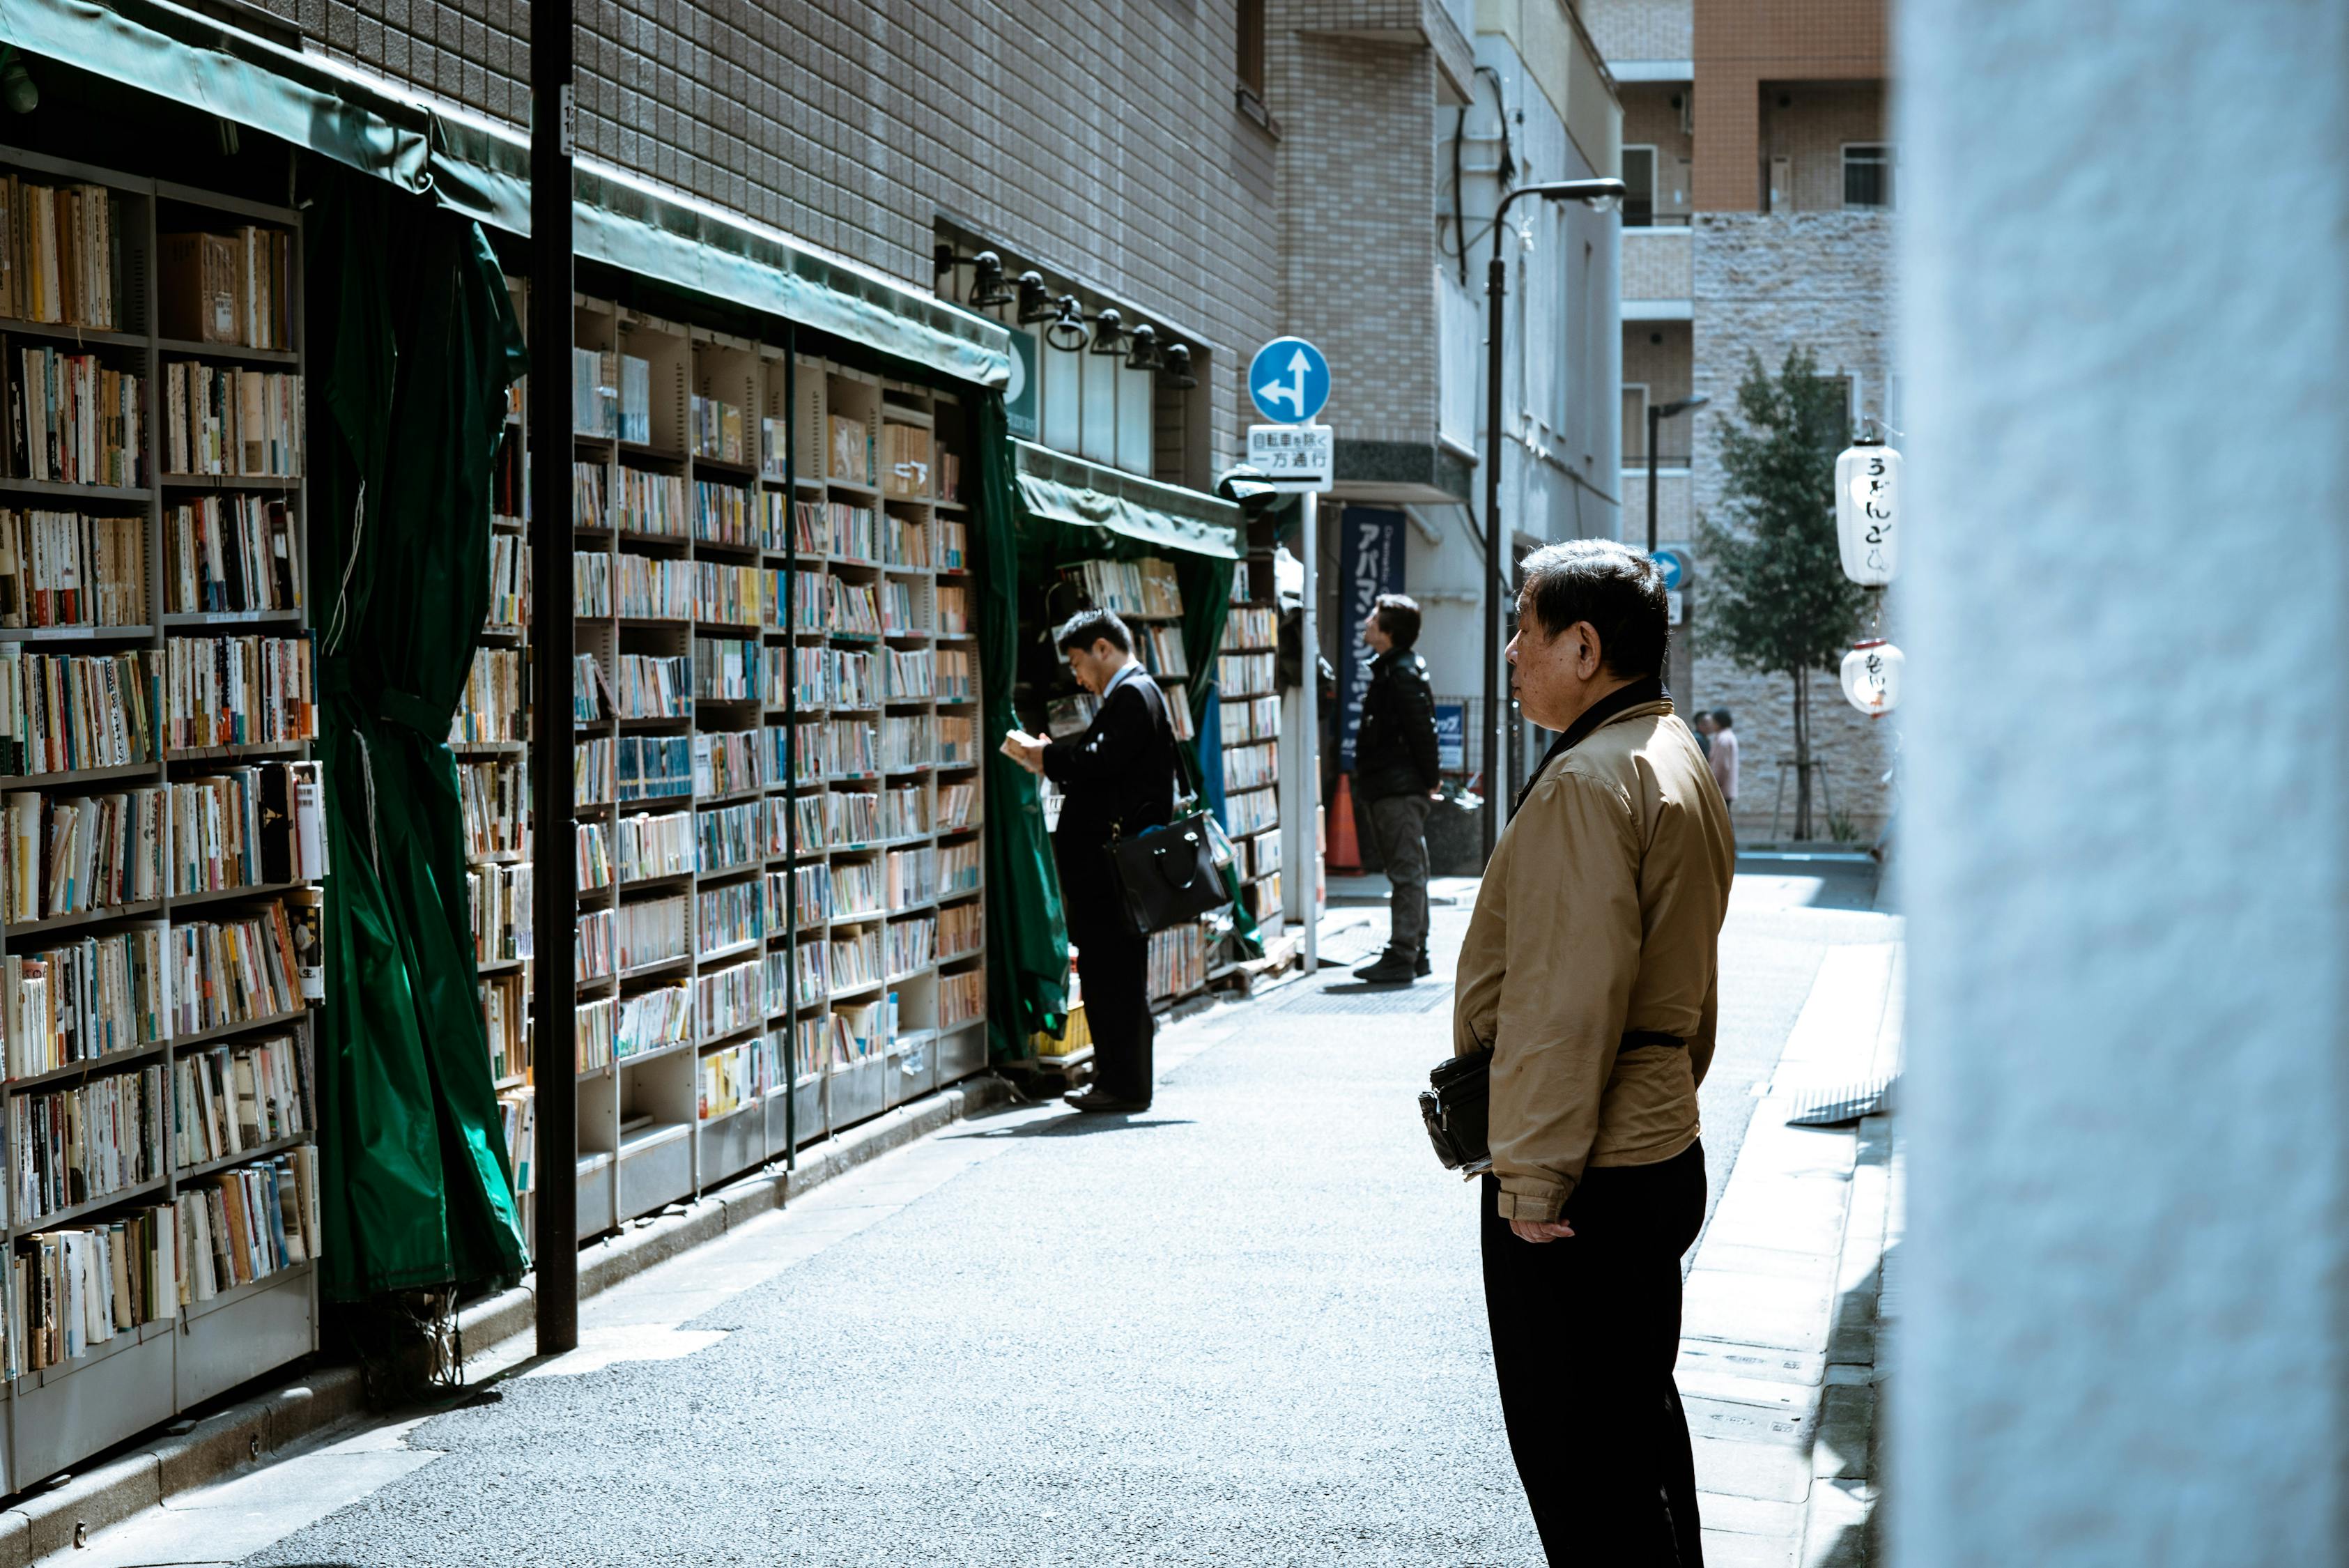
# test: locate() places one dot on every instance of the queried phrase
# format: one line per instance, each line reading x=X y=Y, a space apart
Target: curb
x=249 y=1434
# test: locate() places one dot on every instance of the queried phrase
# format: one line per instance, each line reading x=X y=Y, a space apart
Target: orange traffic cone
x=1345 y=854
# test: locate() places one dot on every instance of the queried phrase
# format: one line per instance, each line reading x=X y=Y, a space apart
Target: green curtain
x=413 y=344
x=1027 y=941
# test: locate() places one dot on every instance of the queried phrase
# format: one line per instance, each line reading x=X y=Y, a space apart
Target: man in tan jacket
x=1589 y=968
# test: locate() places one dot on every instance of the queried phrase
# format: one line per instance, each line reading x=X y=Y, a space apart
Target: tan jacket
x=1598 y=917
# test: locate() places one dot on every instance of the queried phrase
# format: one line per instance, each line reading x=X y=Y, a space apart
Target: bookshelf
x=779 y=782
x=1250 y=727
x=154 y=559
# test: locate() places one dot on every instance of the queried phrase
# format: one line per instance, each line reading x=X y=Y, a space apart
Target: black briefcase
x=1168 y=874
x=1458 y=1106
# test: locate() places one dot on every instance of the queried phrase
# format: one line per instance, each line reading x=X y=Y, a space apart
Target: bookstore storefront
x=264 y=833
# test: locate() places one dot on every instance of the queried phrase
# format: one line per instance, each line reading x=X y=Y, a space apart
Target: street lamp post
x=1657 y=414
x=1598 y=193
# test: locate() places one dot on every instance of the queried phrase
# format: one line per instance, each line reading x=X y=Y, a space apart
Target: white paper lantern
x=1868 y=507
x=1871 y=676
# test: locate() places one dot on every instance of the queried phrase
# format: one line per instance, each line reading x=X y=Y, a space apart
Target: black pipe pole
x=555 y=991
x=1496 y=284
x=1652 y=423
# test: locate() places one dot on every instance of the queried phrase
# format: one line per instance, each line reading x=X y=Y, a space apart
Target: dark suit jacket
x=1118 y=777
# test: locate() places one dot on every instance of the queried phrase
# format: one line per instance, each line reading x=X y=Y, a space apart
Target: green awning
x=482 y=171
x=1055 y=488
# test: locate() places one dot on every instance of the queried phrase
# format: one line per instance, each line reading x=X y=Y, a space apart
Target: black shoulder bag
x=1172 y=874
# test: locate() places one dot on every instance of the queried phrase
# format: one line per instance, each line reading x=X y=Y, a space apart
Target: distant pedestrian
x=1701 y=728
x=1722 y=755
x=1119 y=776
x=1591 y=970
x=1396 y=775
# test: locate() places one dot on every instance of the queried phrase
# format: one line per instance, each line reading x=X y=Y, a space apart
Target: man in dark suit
x=1117 y=778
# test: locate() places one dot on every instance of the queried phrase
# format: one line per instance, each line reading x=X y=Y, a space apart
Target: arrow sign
x=1290 y=380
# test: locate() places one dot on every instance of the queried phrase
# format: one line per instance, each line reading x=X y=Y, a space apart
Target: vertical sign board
x=1452 y=737
x=1020 y=393
x=1370 y=563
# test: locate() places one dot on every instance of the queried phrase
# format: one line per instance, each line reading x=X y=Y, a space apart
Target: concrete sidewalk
x=1779 y=1349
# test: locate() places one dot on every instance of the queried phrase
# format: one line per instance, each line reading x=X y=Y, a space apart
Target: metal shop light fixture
x=987 y=290
x=1066 y=326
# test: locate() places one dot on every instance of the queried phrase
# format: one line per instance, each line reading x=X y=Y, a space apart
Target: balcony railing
x=1665 y=458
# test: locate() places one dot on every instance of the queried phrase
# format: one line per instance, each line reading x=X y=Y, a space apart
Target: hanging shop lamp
x=1871 y=676
x=1867 y=506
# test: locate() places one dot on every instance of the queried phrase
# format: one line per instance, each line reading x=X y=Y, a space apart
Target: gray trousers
x=1399 y=827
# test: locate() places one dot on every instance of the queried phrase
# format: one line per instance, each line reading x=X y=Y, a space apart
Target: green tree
x=1776 y=600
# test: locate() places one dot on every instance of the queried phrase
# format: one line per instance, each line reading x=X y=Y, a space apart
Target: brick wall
x=1102 y=140
x=1817 y=120
x=1357 y=182
x=1640 y=29
x=1657 y=263
x=1768 y=284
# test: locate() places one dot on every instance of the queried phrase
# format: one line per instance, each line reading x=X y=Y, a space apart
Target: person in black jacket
x=1117 y=778
x=1396 y=775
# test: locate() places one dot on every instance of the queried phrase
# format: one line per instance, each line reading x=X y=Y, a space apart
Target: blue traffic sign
x=1290 y=380
x=1674 y=566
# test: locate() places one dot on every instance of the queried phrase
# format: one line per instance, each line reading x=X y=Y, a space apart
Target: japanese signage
x=1293 y=457
x=1370 y=563
x=1867 y=497
x=1452 y=737
x=1020 y=393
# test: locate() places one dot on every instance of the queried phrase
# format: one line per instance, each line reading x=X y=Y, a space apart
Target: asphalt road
x=1245 y=1329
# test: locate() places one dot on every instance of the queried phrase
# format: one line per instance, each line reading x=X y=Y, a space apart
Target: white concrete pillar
x=2124 y=277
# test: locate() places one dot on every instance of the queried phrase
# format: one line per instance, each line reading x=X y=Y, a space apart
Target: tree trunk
x=1802 y=758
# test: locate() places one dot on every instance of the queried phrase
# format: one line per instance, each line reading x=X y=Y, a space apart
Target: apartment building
x=1762 y=183
x=1401 y=123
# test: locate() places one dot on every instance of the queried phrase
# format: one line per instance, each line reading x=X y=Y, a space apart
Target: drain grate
x=1373 y=999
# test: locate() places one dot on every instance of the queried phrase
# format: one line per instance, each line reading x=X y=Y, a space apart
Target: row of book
x=647 y=686
x=954 y=611
x=912 y=876
x=499 y=898
x=1251 y=812
x=728 y=837
x=855 y=961
x=738 y=1075
x=731 y=916
x=505 y=1024
x=733 y=999
x=230 y=421
x=656 y=844
x=727 y=670
x=1259 y=855
x=72 y=1290
x=911 y=945
x=1244 y=675
x=962 y=997
x=655 y=1021
x=591 y=857
x=494 y=803
x=72 y=420
x=1251 y=766
x=727 y=514
x=1250 y=719
x=79 y=1145
x=509 y=603
x=909 y=742
x=653 y=767
x=83 y=1000
x=1250 y=628
x=726 y=763
x=651 y=931
x=1145 y=587
x=227 y=288
x=901 y=609
x=60 y=254
x=962 y=930
x=905 y=542
x=233 y=1099
x=518 y=1124
x=651 y=505
x=1178 y=960
x=237 y=691
x=715 y=428
x=611 y=395
x=904 y=460
x=1263 y=899
x=66 y=570
x=1161 y=650
x=840 y=529
x=231 y=553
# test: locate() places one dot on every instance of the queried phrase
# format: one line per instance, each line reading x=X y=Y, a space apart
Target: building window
x=1251 y=60
x=1635 y=423
x=1638 y=187
x=1867 y=174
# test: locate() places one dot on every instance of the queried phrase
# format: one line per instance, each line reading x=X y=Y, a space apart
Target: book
x=72 y=418
x=66 y=570
x=225 y=288
x=231 y=421
x=231 y=553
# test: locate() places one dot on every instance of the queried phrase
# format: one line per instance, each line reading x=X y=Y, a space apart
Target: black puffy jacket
x=1394 y=750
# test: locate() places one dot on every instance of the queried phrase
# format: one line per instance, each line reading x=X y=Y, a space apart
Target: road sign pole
x=1310 y=506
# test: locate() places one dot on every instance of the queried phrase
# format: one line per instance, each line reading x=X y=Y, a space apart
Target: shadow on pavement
x=1077 y=1124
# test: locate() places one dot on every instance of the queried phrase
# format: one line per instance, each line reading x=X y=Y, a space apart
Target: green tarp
x=413 y=343
x=481 y=171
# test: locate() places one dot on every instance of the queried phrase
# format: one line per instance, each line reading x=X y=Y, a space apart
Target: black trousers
x=1585 y=1333
x=1114 y=966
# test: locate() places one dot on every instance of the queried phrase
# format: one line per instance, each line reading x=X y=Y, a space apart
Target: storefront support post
x=1311 y=507
x=555 y=901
